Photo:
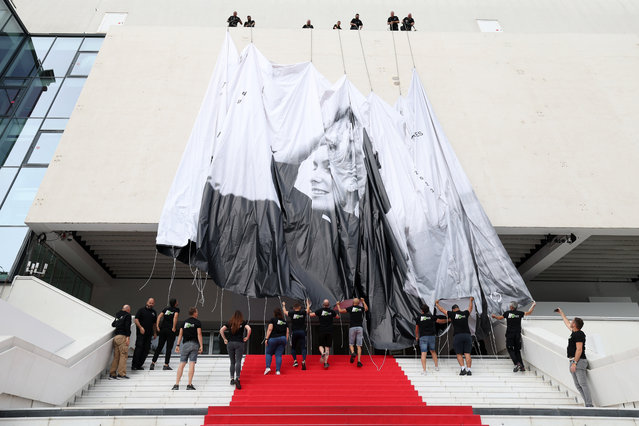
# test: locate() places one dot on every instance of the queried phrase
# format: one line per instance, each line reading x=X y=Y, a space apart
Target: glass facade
x=41 y=78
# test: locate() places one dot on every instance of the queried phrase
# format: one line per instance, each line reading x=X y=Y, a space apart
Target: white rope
x=399 y=84
x=168 y=296
x=311 y=45
x=341 y=48
x=359 y=33
x=152 y=269
x=410 y=47
x=217 y=294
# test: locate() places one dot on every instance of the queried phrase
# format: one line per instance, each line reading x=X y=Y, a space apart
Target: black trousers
x=166 y=336
x=513 y=344
x=142 y=347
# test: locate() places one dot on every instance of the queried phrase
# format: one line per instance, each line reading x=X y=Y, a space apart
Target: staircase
x=341 y=395
x=493 y=384
x=153 y=388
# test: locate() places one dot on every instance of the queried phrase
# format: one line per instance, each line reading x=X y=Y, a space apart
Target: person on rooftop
x=393 y=21
x=308 y=24
x=234 y=20
x=356 y=23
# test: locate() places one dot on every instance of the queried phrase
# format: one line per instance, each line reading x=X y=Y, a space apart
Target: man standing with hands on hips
x=576 y=352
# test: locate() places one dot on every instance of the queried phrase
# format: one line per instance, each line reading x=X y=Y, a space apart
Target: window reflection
x=61 y=54
x=67 y=97
x=92 y=44
x=41 y=46
x=7 y=174
x=17 y=140
x=55 y=123
x=12 y=27
x=45 y=148
x=38 y=99
x=18 y=201
x=12 y=241
x=83 y=64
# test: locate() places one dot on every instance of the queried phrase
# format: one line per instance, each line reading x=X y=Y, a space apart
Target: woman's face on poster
x=321 y=180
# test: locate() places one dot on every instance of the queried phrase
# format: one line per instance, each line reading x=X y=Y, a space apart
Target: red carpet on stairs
x=341 y=395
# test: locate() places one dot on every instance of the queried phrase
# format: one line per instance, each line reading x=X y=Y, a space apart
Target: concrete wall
x=544 y=124
x=515 y=16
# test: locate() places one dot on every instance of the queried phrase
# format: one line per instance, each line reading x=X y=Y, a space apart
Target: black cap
x=454 y=306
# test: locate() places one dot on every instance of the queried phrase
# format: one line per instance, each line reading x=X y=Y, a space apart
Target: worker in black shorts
x=393 y=22
x=513 y=333
x=462 y=341
x=298 y=325
x=325 y=316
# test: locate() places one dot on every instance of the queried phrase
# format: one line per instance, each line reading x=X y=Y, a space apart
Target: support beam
x=550 y=253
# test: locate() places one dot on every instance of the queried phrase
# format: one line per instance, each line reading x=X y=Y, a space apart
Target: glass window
x=92 y=44
x=38 y=98
x=66 y=99
x=55 y=124
x=12 y=241
x=45 y=148
x=41 y=46
x=8 y=46
x=16 y=206
x=83 y=64
x=5 y=14
x=6 y=177
x=26 y=62
x=19 y=136
x=12 y=27
x=10 y=91
x=61 y=54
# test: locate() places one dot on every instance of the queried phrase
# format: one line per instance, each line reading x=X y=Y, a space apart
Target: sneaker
x=238 y=386
x=353 y=357
x=175 y=387
x=166 y=367
x=152 y=367
x=113 y=377
x=232 y=381
x=521 y=367
x=295 y=363
x=516 y=369
x=190 y=387
x=359 y=364
x=436 y=368
x=303 y=365
x=137 y=368
x=123 y=377
x=322 y=359
x=423 y=372
x=277 y=373
x=268 y=370
x=469 y=373
x=463 y=372
x=326 y=365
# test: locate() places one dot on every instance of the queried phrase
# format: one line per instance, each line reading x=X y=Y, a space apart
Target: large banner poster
x=291 y=186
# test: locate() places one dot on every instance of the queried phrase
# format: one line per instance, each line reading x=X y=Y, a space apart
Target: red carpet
x=341 y=395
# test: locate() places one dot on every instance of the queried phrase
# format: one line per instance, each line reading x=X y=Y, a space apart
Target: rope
x=311 y=45
x=152 y=269
x=168 y=296
x=399 y=84
x=217 y=294
x=341 y=48
x=370 y=83
x=410 y=47
x=264 y=319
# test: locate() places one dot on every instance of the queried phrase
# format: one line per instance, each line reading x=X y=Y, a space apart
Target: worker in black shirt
x=356 y=24
x=462 y=341
x=576 y=352
x=356 y=328
x=338 y=25
x=393 y=22
x=298 y=336
x=249 y=22
x=276 y=338
x=191 y=338
x=325 y=316
x=167 y=326
x=513 y=333
x=234 y=20
x=121 y=341
x=233 y=334
x=145 y=332
x=308 y=24
x=425 y=332
x=408 y=23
